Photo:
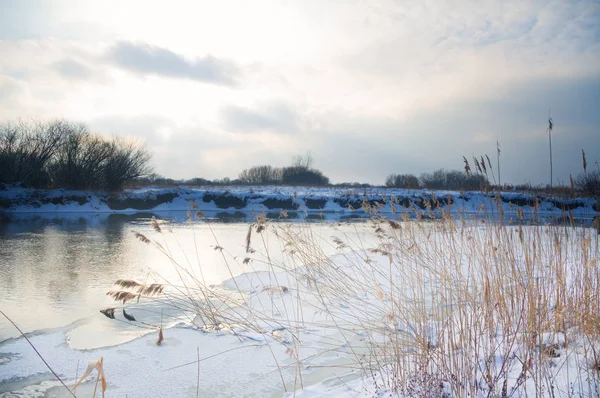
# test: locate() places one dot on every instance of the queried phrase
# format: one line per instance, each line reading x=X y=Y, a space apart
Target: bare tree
x=80 y=159
x=402 y=181
x=126 y=161
x=303 y=161
x=26 y=148
x=589 y=183
x=259 y=175
x=65 y=154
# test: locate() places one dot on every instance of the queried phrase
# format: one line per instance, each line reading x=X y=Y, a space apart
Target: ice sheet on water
x=141 y=368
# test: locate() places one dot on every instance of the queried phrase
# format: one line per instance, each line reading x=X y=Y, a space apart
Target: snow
x=141 y=368
x=281 y=324
x=249 y=199
x=238 y=360
x=235 y=360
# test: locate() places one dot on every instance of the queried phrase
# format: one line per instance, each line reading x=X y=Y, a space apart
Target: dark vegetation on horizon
x=300 y=172
x=62 y=154
x=585 y=184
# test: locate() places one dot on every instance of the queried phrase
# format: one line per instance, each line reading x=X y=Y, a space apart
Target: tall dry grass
x=421 y=303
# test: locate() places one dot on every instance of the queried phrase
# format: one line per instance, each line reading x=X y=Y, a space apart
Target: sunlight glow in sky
x=369 y=88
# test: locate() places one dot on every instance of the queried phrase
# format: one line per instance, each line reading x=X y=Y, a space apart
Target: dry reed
x=458 y=306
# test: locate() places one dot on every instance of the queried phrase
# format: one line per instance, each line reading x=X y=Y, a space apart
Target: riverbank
x=295 y=201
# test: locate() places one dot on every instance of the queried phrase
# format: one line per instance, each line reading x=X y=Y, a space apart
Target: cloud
x=146 y=59
x=9 y=90
x=197 y=150
x=371 y=148
x=71 y=69
x=275 y=117
x=19 y=19
x=368 y=148
x=369 y=90
x=145 y=127
x=12 y=92
x=483 y=137
x=177 y=151
x=444 y=52
x=60 y=19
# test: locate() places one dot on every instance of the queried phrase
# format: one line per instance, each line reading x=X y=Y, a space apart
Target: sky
x=368 y=88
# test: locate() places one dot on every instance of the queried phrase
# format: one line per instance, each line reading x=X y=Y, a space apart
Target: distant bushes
x=453 y=179
x=354 y=185
x=261 y=175
x=589 y=183
x=299 y=173
x=61 y=154
x=408 y=181
x=439 y=179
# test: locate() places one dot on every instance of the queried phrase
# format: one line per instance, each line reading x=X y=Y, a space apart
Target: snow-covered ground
x=386 y=307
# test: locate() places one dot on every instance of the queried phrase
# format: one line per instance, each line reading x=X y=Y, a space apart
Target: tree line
x=62 y=154
x=439 y=179
x=300 y=172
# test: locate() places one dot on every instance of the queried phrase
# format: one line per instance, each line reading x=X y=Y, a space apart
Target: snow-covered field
x=384 y=308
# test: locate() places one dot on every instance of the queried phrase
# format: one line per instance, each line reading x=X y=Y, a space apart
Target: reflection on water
x=56 y=269
x=49 y=271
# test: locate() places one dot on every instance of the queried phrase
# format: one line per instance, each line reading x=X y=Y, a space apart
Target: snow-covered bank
x=349 y=325
x=467 y=308
x=297 y=202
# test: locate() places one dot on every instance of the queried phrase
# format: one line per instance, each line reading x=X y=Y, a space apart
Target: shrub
x=125 y=161
x=25 y=150
x=402 y=181
x=453 y=179
x=197 y=181
x=299 y=175
x=588 y=184
x=79 y=159
x=66 y=154
x=261 y=175
x=353 y=185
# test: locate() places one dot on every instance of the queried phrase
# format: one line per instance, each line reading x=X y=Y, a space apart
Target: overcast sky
x=368 y=87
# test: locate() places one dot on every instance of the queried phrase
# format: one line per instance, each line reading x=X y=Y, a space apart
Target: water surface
x=55 y=271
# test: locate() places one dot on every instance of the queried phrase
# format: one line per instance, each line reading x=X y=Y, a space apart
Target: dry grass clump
x=454 y=306
x=489 y=311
